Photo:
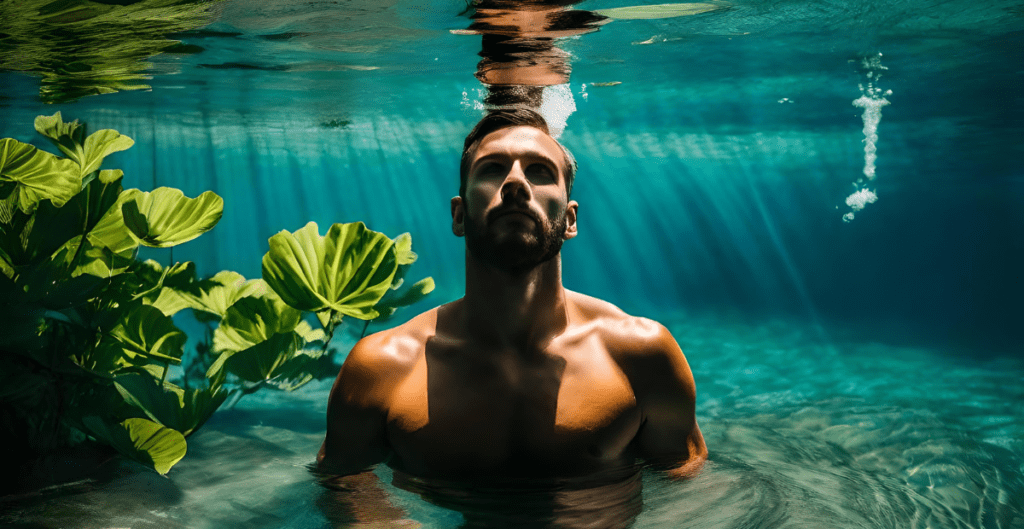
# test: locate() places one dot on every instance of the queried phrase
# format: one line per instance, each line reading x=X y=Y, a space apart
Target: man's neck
x=521 y=312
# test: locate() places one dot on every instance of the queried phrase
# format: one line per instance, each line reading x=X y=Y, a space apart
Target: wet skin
x=521 y=377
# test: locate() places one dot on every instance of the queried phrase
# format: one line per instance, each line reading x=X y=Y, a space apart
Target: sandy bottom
x=803 y=432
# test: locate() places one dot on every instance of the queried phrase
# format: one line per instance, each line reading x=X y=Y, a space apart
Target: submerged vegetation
x=87 y=336
x=87 y=47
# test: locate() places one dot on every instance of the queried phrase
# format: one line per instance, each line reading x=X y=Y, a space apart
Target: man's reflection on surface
x=518 y=48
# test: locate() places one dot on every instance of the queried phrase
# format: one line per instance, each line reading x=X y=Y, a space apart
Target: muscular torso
x=465 y=409
x=438 y=403
x=568 y=409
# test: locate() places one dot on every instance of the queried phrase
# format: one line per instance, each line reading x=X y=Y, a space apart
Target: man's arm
x=356 y=414
x=356 y=440
x=665 y=391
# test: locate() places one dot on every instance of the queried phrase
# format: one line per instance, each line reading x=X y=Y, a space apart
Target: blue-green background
x=711 y=187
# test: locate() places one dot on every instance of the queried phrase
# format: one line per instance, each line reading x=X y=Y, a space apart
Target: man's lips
x=527 y=214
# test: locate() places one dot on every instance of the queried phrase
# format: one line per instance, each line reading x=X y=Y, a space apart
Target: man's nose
x=515 y=187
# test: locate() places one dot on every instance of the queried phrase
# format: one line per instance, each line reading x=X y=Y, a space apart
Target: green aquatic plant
x=87 y=335
x=87 y=47
x=75 y=325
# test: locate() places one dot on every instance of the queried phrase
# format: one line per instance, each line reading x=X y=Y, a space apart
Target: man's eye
x=490 y=168
x=539 y=169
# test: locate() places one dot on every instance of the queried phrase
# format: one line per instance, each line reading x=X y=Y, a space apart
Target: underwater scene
x=206 y=204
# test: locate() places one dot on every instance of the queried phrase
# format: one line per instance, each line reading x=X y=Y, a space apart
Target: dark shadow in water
x=596 y=502
x=609 y=504
x=116 y=487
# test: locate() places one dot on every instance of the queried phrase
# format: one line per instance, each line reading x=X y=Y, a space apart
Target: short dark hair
x=504 y=118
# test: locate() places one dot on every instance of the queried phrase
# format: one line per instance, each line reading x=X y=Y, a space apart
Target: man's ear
x=458 y=217
x=570 y=219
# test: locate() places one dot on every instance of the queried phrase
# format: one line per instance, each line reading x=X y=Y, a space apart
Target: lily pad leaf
x=658 y=11
x=108 y=176
x=53 y=227
x=347 y=271
x=263 y=360
x=37 y=175
x=211 y=297
x=149 y=334
x=198 y=406
x=165 y=217
x=170 y=405
x=161 y=404
x=68 y=137
x=109 y=246
x=160 y=286
x=143 y=440
x=87 y=154
x=252 y=320
x=99 y=145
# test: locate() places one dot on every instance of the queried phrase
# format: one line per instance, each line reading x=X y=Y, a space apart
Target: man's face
x=515 y=213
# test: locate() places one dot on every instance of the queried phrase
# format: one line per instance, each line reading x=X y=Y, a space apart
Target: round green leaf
x=142 y=440
x=198 y=406
x=99 y=145
x=162 y=404
x=108 y=176
x=109 y=246
x=263 y=360
x=214 y=295
x=252 y=320
x=37 y=174
x=148 y=333
x=88 y=155
x=166 y=217
x=347 y=271
x=66 y=136
x=169 y=405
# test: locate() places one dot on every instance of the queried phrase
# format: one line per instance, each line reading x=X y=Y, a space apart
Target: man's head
x=513 y=205
x=506 y=118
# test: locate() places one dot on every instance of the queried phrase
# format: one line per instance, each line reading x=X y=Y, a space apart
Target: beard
x=520 y=251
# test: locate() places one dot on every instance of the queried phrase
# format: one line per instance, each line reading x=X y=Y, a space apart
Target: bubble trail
x=872 y=99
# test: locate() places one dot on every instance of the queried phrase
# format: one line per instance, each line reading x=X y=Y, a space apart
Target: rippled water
x=800 y=434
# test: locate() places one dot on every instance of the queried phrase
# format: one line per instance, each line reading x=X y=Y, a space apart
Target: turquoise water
x=801 y=433
x=850 y=374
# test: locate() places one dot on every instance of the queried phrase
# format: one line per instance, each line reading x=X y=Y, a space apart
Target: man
x=520 y=378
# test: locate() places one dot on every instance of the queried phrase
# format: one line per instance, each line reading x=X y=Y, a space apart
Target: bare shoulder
x=626 y=336
x=661 y=380
x=381 y=360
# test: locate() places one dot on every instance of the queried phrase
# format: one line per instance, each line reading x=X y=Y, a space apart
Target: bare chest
x=568 y=413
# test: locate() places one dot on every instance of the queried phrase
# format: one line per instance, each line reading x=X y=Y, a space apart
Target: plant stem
x=163 y=379
x=365 y=326
x=331 y=326
x=85 y=231
x=241 y=392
